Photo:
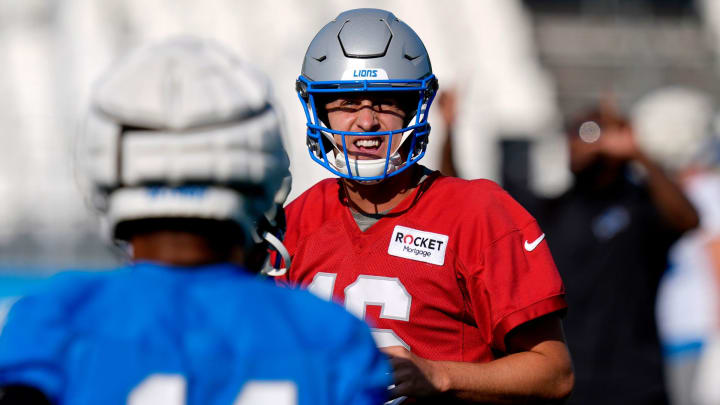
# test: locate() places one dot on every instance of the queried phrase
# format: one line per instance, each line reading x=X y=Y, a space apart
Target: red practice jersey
x=447 y=273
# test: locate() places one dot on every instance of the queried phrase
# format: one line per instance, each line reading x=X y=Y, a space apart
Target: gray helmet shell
x=366 y=39
x=367 y=50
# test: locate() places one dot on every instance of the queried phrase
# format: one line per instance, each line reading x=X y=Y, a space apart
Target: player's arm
x=22 y=395
x=537 y=368
x=33 y=344
x=447 y=101
x=713 y=248
x=675 y=208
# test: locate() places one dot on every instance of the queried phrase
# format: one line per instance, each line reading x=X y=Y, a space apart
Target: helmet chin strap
x=366 y=167
x=280 y=248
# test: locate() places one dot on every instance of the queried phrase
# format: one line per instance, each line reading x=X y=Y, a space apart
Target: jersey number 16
x=387 y=292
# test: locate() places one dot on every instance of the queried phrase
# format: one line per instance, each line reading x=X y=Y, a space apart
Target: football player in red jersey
x=453 y=275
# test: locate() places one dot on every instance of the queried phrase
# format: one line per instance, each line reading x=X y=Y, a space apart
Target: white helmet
x=367 y=51
x=183 y=129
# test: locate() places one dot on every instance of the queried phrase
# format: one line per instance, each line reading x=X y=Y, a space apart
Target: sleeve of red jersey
x=517 y=281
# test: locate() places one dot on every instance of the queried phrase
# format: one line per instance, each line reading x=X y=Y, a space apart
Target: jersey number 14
x=170 y=389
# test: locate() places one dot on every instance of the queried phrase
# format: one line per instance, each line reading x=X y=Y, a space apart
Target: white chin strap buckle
x=367 y=168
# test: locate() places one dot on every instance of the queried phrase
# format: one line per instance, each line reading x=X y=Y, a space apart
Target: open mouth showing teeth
x=367 y=143
x=364 y=147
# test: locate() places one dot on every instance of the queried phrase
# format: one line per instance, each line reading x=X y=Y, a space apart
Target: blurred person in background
x=185 y=157
x=454 y=275
x=610 y=234
x=677 y=125
x=447 y=102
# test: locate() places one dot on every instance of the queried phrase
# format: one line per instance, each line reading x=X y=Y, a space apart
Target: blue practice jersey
x=151 y=334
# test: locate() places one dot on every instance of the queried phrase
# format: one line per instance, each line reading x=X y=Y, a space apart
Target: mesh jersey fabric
x=91 y=338
x=460 y=310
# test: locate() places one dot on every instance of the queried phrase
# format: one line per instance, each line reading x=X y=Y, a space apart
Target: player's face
x=366 y=113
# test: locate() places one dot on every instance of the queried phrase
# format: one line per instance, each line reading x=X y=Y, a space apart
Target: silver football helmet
x=367 y=50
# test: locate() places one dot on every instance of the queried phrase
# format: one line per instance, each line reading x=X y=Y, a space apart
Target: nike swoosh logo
x=530 y=246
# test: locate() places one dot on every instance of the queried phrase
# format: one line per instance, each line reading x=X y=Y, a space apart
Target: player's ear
x=18 y=394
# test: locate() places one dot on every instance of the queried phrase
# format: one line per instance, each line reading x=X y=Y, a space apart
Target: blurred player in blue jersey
x=185 y=157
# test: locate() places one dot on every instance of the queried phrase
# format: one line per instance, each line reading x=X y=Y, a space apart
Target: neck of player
x=375 y=198
x=184 y=249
